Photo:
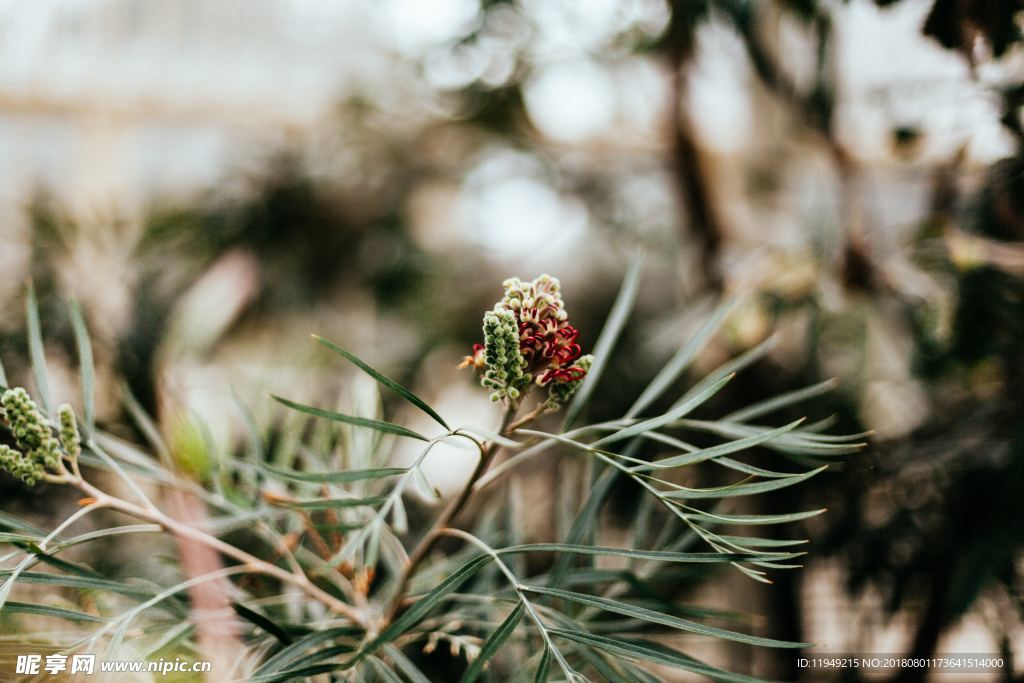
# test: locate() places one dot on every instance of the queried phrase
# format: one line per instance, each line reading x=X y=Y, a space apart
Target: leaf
x=585 y=519
x=494 y=643
x=656 y=555
x=299 y=650
x=733 y=366
x=301 y=673
x=5 y=588
x=754 y=542
x=85 y=363
x=758 y=519
x=675 y=413
x=3 y=376
x=382 y=669
x=330 y=503
x=386 y=381
x=715 y=451
x=83 y=582
x=681 y=360
x=35 y=348
x=379 y=425
x=650 y=616
x=621 y=309
x=801 y=442
x=652 y=652
x=542 y=668
x=261 y=621
x=11 y=522
x=781 y=401
x=683 y=493
x=419 y=609
x=57 y=612
x=404 y=665
x=339 y=477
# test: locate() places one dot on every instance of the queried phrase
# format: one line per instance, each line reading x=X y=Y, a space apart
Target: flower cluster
x=38 y=451
x=528 y=340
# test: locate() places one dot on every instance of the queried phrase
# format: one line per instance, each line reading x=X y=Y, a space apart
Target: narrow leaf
x=652 y=652
x=386 y=381
x=621 y=309
x=677 y=412
x=542 y=668
x=657 y=555
x=781 y=401
x=681 y=360
x=257 y=619
x=494 y=643
x=419 y=609
x=682 y=493
x=338 y=477
x=644 y=614
x=733 y=366
x=330 y=503
x=757 y=519
x=46 y=611
x=715 y=451
x=379 y=425
x=35 y=348
x=85 y=362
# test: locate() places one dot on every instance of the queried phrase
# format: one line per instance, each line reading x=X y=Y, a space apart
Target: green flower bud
x=70 y=438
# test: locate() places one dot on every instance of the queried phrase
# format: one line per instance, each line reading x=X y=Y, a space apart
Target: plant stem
x=430 y=539
x=250 y=562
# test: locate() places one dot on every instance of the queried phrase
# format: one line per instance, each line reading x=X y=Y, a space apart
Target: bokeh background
x=215 y=180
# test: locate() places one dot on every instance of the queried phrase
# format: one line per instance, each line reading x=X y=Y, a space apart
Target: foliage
x=346 y=595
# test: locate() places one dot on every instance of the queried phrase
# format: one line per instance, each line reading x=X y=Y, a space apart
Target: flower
x=38 y=451
x=528 y=340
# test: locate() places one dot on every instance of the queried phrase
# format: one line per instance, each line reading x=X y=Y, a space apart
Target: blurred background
x=216 y=180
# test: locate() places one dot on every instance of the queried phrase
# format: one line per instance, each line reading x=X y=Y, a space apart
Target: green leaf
x=302 y=673
x=781 y=401
x=419 y=609
x=84 y=582
x=383 y=670
x=3 y=376
x=677 y=412
x=263 y=622
x=683 y=493
x=621 y=309
x=801 y=442
x=386 y=381
x=757 y=519
x=339 y=477
x=494 y=643
x=732 y=366
x=542 y=668
x=715 y=451
x=650 y=616
x=378 y=425
x=652 y=652
x=656 y=555
x=5 y=588
x=35 y=348
x=85 y=363
x=754 y=542
x=681 y=360
x=299 y=650
x=11 y=522
x=404 y=665
x=331 y=503
x=586 y=519
x=58 y=612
